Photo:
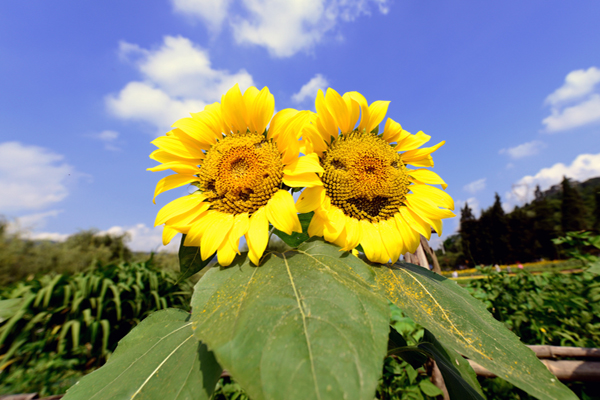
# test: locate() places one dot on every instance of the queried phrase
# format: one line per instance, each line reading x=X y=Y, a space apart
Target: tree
x=468 y=233
x=597 y=211
x=543 y=227
x=573 y=209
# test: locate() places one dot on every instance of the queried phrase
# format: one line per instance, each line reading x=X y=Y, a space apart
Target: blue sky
x=513 y=87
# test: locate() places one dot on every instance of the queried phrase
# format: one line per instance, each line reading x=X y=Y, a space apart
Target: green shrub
x=64 y=324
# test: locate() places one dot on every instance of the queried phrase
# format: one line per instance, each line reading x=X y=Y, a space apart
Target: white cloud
x=576 y=103
x=584 y=113
x=31 y=177
x=177 y=79
x=524 y=150
x=32 y=221
x=584 y=167
x=310 y=89
x=109 y=138
x=143 y=238
x=284 y=27
x=211 y=12
x=475 y=186
x=577 y=84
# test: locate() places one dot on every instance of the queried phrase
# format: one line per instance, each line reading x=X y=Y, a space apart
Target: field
x=58 y=324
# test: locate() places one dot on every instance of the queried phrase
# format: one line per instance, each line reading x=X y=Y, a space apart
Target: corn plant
x=80 y=318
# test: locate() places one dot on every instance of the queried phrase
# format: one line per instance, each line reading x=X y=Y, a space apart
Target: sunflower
x=368 y=195
x=239 y=169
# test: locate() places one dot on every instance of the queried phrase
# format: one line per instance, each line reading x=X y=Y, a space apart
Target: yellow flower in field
x=239 y=168
x=368 y=195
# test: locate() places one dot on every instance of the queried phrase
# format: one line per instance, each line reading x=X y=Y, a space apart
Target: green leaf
x=431 y=390
x=159 y=359
x=462 y=323
x=459 y=377
x=295 y=239
x=397 y=346
x=9 y=307
x=594 y=268
x=190 y=261
x=304 y=325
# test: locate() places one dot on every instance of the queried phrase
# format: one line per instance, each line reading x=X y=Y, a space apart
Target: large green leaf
x=190 y=261
x=459 y=377
x=462 y=323
x=304 y=325
x=159 y=359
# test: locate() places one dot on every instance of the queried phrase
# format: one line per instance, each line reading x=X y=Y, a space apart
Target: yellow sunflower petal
x=281 y=212
x=392 y=131
x=249 y=98
x=258 y=235
x=280 y=122
x=172 y=182
x=176 y=166
x=377 y=112
x=241 y=224
x=310 y=199
x=425 y=215
x=412 y=142
x=427 y=176
x=410 y=238
x=423 y=162
x=416 y=155
x=316 y=226
x=391 y=238
x=262 y=112
x=353 y=234
x=371 y=240
x=336 y=221
x=233 y=110
x=304 y=164
x=163 y=156
x=178 y=148
x=325 y=123
x=338 y=109
x=226 y=252
x=425 y=206
x=197 y=130
x=194 y=235
x=212 y=117
x=168 y=234
x=354 y=108
x=416 y=222
x=215 y=235
x=177 y=207
x=434 y=194
x=364 y=109
x=303 y=180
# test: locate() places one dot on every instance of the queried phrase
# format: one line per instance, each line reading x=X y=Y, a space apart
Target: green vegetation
x=20 y=257
x=526 y=234
x=57 y=327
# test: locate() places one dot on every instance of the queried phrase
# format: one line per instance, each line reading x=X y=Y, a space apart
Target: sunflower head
x=369 y=195
x=239 y=168
x=364 y=176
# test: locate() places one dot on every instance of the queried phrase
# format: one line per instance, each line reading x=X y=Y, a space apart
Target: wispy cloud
x=524 y=150
x=32 y=177
x=576 y=103
x=584 y=167
x=283 y=27
x=475 y=186
x=310 y=89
